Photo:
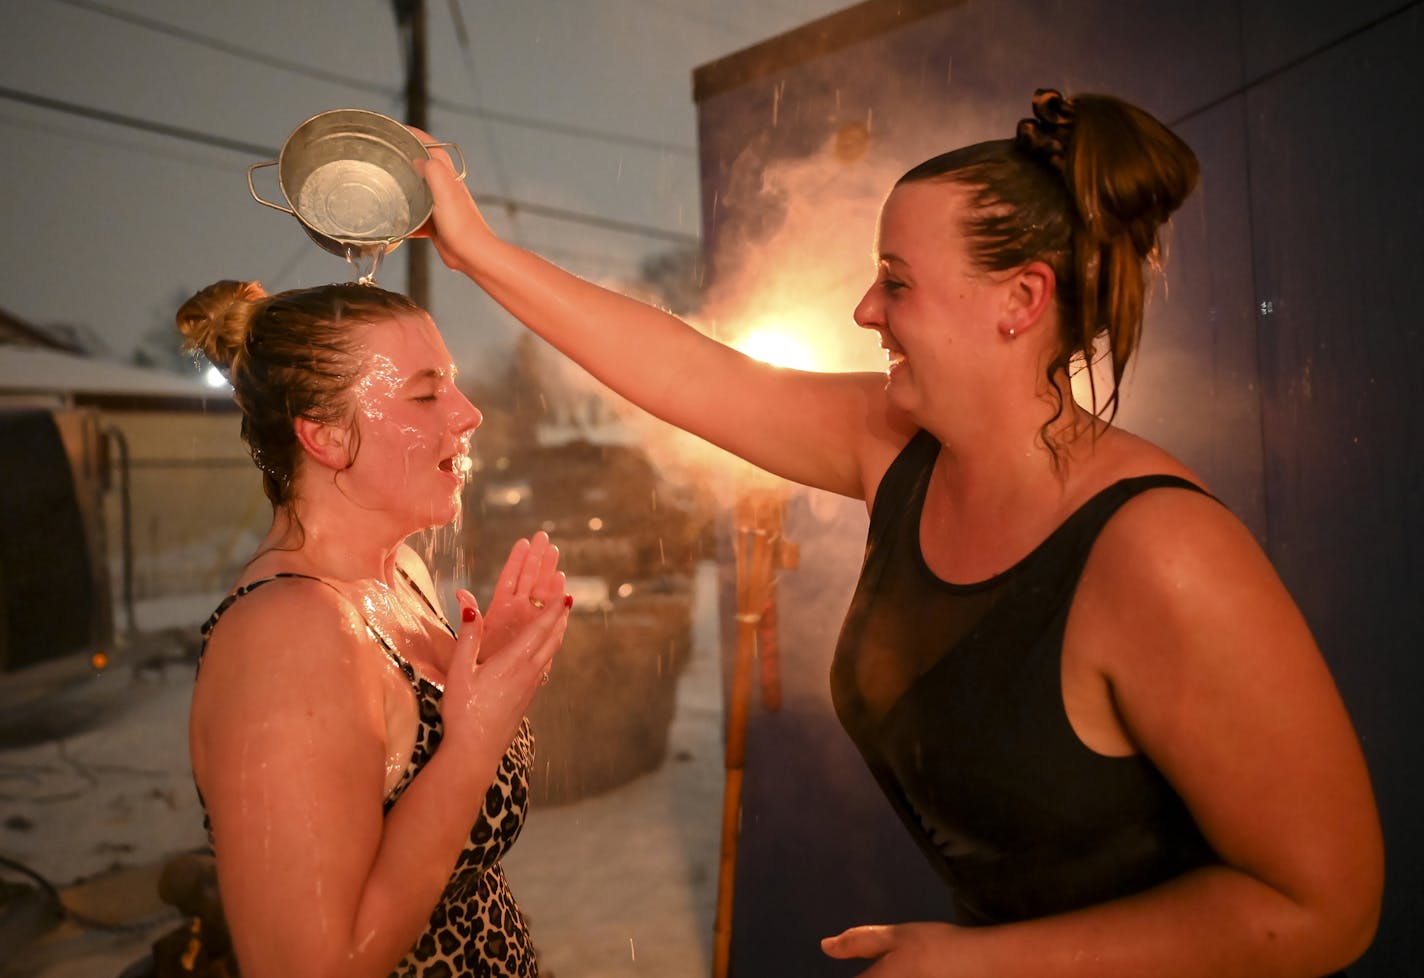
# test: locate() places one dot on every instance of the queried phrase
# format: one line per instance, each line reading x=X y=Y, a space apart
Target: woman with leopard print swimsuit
x=362 y=765
x=477 y=927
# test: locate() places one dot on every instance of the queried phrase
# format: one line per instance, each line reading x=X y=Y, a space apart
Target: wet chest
x=414 y=647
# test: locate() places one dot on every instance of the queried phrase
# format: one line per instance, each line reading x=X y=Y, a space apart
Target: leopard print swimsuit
x=477 y=930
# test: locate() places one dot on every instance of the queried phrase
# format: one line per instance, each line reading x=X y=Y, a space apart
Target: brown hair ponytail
x=1126 y=173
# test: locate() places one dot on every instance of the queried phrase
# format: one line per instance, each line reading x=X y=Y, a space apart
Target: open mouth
x=459 y=465
x=894 y=356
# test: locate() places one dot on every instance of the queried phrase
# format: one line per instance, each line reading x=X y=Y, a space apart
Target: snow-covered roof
x=27 y=370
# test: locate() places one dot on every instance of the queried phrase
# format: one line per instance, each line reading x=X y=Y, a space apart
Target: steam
x=794 y=240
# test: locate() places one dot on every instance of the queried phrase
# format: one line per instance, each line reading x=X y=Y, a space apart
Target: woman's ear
x=326 y=444
x=1030 y=297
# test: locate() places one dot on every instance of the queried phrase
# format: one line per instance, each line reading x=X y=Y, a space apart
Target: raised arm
x=289 y=742
x=816 y=429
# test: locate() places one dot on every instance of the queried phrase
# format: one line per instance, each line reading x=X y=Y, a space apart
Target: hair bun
x=1047 y=134
x=216 y=320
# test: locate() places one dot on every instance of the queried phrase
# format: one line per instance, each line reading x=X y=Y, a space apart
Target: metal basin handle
x=251 y=187
x=458 y=152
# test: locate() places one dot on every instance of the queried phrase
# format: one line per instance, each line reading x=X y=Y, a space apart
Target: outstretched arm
x=816 y=429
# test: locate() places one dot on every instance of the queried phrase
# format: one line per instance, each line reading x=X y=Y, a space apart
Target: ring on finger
x=544 y=679
x=538 y=603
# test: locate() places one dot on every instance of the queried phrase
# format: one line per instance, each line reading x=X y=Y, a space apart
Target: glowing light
x=213 y=378
x=776 y=346
x=625 y=590
x=99 y=660
x=595 y=524
x=507 y=495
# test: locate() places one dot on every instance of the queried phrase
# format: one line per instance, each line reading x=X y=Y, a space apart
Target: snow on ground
x=96 y=793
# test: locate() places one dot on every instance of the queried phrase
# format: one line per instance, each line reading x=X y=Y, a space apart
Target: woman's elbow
x=1360 y=921
x=1349 y=913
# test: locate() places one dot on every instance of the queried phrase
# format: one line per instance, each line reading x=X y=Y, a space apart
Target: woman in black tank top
x=362 y=764
x=1073 y=673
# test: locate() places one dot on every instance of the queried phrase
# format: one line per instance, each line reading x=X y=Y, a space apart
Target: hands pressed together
x=503 y=656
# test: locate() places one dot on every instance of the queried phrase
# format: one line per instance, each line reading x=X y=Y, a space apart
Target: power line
x=606 y=223
x=134 y=122
x=467 y=58
x=250 y=150
x=361 y=84
x=225 y=47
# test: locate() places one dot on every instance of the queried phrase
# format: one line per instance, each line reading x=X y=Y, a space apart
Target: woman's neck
x=1001 y=449
x=992 y=499
x=324 y=545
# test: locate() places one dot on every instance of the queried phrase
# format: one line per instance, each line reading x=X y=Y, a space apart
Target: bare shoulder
x=282 y=623
x=1164 y=529
x=1121 y=454
x=1175 y=578
x=1177 y=594
x=278 y=642
x=1181 y=553
x=286 y=664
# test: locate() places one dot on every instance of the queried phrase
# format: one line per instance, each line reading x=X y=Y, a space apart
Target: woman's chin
x=440 y=514
x=448 y=512
x=899 y=391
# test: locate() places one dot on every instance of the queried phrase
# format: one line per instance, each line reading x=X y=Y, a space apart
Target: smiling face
x=935 y=312
x=413 y=425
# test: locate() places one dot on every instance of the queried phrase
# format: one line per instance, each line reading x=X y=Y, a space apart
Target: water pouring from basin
x=349 y=180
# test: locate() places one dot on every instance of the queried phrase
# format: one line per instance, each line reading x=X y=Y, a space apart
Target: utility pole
x=410 y=20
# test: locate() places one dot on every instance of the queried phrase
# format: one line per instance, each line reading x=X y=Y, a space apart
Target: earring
x=1012 y=332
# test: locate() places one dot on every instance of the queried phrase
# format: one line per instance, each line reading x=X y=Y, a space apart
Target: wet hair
x=290 y=355
x=1085 y=186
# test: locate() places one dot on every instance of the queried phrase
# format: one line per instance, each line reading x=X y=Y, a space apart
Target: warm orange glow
x=782 y=336
x=99 y=660
x=777 y=346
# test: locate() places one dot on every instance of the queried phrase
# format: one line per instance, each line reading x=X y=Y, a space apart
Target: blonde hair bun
x=216 y=320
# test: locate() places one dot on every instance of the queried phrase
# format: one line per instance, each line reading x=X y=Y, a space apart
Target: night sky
x=129 y=126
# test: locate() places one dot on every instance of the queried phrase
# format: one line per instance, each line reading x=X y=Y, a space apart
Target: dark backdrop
x=1281 y=362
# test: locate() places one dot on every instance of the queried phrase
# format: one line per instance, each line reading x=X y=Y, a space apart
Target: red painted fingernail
x=468 y=614
x=568 y=601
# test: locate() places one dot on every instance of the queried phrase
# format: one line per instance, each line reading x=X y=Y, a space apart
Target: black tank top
x=952 y=693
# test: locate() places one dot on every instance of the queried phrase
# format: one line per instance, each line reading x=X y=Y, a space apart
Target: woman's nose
x=465 y=417
x=867 y=311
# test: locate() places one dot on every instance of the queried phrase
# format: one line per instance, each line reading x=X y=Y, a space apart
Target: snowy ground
x=96 y=793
